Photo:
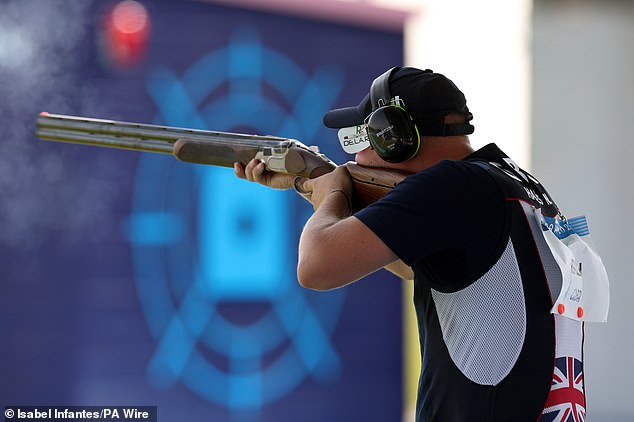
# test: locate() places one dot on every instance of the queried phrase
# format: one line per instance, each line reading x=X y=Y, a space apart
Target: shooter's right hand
x=255 y=171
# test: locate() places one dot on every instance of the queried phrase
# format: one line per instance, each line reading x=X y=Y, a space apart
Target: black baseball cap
x=427 y=96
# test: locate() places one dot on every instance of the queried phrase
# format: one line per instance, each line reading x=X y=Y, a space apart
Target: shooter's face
x=369 y=158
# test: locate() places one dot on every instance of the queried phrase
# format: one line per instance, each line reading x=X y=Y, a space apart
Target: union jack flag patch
x=566 y=401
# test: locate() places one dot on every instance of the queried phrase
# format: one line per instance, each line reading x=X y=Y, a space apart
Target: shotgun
x=223 y=149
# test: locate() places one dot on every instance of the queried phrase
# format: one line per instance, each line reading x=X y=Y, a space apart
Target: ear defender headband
x=390 y=129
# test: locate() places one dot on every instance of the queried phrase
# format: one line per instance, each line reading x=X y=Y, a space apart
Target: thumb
x=304 y=185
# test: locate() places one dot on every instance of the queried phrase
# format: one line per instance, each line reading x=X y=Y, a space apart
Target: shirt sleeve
x=443 y=208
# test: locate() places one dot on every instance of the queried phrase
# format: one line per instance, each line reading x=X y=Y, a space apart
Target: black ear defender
x=391 y=130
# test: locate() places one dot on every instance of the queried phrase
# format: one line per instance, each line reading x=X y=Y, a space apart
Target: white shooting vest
x=585 y=291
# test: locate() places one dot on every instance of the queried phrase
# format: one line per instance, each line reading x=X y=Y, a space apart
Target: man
x=501 y=336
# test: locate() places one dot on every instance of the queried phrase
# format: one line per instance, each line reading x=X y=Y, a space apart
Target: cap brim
x=348 y=116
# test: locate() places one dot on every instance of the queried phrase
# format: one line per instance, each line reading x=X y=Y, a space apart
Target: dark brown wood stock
x=298 y=161
x=223 y=154
x=372 y=183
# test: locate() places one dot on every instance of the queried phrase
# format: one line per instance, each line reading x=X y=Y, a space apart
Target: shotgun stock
x=283 y=155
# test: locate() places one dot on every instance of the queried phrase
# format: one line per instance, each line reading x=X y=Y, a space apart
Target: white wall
x=483 y=46
x=583 y=147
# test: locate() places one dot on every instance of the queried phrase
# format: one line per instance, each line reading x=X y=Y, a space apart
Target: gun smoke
x=45 y=193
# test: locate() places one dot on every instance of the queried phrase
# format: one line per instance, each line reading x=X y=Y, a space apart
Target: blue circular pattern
x=203 y=239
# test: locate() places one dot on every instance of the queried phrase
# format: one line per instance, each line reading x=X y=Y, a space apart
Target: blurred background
x=134 y=279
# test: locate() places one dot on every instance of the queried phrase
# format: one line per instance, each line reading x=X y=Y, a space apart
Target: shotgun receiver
x=216 y=148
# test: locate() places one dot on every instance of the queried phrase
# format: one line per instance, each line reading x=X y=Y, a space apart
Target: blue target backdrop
x=188 y=300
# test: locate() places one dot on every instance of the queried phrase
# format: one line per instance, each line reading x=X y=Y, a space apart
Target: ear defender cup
x=393 y=134
x=391 y=130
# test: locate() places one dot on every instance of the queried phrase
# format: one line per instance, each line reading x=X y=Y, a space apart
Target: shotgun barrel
x=135 y=136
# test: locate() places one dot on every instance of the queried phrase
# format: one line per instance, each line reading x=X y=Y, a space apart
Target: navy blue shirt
x=483 y=288
x=446 y=220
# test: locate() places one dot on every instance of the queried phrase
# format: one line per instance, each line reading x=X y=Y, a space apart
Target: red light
x=129 y=17
x=126 y=33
